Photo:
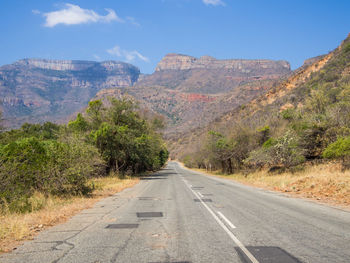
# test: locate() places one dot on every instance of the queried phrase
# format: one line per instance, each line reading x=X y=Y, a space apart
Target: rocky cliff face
x=207 y=75
x=37 y=90
x=258 y=66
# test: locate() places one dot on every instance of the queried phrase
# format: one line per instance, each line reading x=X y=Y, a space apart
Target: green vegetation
x=314 y=127
x=338 y=149
x=59 y=160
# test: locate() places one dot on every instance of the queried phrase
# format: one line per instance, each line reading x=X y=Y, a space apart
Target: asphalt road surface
x=177 y=215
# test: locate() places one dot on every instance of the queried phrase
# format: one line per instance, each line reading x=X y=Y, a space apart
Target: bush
x=346 y=48
x=338 y=149
x=284 y=151
x=30 y=165
x=288 y=114
x=269 y=143
x=263 y=134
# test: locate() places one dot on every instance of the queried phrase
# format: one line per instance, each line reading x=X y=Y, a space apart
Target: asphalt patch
x=268 y=255
x=152 y=178
x=149 y=214
x=122 y=226
x=203 y=200
x=146 y=198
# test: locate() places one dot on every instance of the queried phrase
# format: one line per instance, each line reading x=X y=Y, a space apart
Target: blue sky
x=141 y=32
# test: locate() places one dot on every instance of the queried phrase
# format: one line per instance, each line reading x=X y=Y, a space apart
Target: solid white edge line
x=231 y=235
x=200 y=195
x=226 y=220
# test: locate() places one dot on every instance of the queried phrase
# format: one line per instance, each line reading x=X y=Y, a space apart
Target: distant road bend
x=177 y=215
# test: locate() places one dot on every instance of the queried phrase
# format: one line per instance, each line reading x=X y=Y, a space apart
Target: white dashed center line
x=223 y=226
x=226 y=220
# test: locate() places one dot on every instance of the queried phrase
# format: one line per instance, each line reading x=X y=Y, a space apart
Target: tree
x=79 y=124
x=221 y=149
x=94 y=111
x=126 y=141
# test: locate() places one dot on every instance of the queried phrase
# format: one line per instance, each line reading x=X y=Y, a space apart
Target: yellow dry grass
x=15 y=228
x=326 y=183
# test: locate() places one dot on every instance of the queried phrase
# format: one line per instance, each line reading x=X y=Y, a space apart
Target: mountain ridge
x=39 y=90
x=174 y=61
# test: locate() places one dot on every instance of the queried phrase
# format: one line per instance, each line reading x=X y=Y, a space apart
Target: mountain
x=38 y=90
x=312 y=102
x=207 y=75
x=191 y=92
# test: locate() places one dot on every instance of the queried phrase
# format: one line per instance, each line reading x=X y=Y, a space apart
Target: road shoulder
x=314 y=184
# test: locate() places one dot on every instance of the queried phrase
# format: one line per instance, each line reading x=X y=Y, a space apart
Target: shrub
x=31 y=165
x=288 y=114
x=284 y=151
x=269 y=143
x=263 y=134
x=338 y=149
x=346 y=48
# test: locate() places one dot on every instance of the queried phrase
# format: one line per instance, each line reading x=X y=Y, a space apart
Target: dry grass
x=325 y=183
x=15 y=228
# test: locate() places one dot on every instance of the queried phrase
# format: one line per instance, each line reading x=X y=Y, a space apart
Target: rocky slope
x=38 y=90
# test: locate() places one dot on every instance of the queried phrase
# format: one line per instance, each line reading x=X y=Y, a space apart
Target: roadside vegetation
x=310 y=125
x=44 y=167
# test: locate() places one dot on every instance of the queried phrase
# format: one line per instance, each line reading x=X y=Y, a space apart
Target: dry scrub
x=325 y=183
x=15 y=228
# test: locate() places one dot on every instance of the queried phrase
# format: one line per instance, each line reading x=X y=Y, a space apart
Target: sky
x=141 y=32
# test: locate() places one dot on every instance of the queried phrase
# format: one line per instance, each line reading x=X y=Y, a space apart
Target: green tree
x=126 y=141
x=79 y=124
x=221 y=148
x=94 y=111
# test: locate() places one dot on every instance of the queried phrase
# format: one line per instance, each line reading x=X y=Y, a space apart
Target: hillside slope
x=311 y=108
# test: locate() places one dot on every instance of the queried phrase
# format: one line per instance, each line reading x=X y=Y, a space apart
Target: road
x=177 y=215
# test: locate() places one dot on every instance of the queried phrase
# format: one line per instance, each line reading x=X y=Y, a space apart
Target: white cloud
x=35 y=12
x=132 y=21
x=128 y=55
x=213 y=2
x=74 y=15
